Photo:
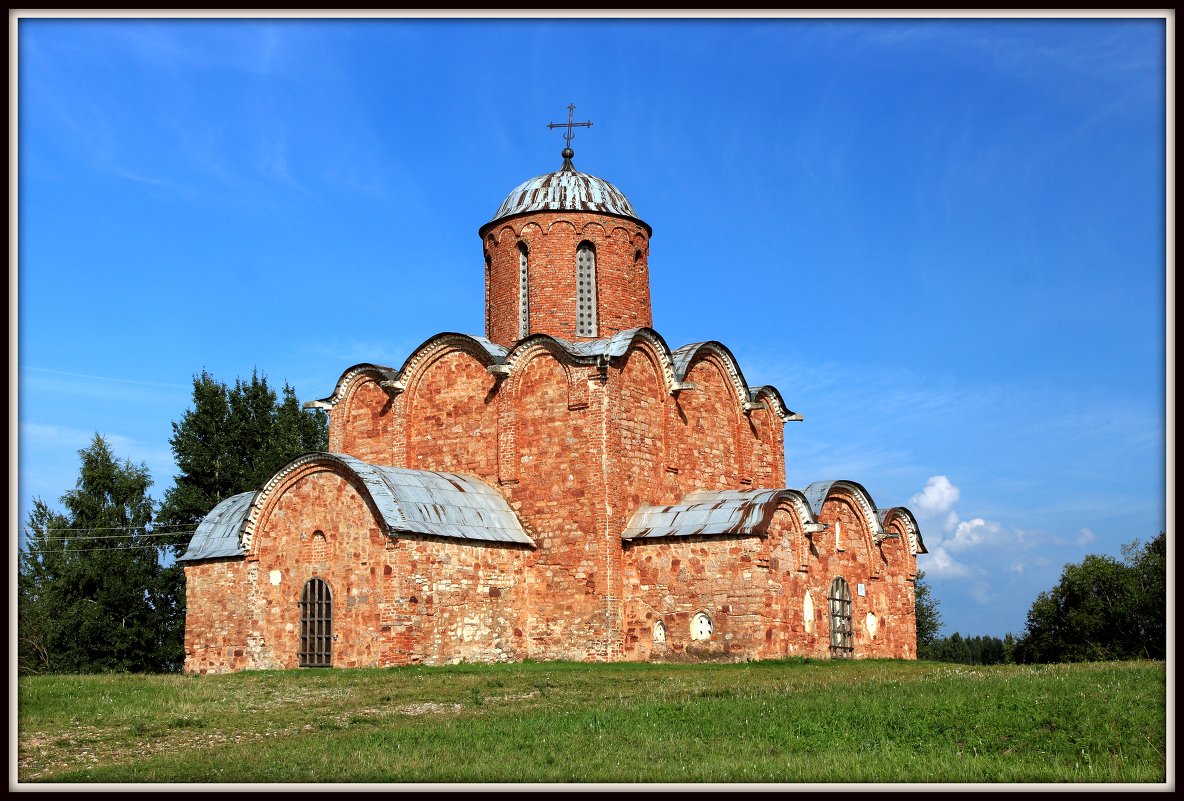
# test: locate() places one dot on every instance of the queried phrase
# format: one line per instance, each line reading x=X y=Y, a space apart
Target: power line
x=120 y=528
x=107 y=536
x=112 y=548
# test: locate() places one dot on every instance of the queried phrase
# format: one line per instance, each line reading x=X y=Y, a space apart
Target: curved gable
x=817 y=493
x=348 y=378
x=687 y=356
x=909 y=523
x=485 y=352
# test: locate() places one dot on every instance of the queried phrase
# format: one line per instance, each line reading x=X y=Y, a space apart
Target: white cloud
x=940 y=564
x=1085 y=537
x=971 y=533
x=938 y=497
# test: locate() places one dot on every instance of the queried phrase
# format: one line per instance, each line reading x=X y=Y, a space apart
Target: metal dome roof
x=566 y=189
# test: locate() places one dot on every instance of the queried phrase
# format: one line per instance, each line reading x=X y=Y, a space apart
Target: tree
x=1102 y=609
x=928 y=618
x=91 y=592
x=1150 y=565
x=232 y=441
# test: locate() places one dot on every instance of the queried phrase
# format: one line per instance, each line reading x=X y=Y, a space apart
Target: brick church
x=567 y=486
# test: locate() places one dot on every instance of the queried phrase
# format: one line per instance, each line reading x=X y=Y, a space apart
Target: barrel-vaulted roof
x=707 y=512
x=748 y=512
x=217 y=534
x=452 y=505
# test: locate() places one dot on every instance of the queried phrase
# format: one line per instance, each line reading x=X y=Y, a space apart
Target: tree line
x=1102 y=609
x=98 y=587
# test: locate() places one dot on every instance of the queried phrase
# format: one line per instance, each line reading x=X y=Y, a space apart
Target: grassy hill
x=794 y=721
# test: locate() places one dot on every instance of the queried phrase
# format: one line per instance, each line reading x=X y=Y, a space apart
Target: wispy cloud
x=95 y=387
x=38 y=436
x=111 y=379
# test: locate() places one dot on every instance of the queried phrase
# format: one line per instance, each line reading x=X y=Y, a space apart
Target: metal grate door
x=839 y=598
x=316 y=625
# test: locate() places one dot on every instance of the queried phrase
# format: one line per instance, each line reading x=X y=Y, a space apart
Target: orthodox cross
x=567 y=137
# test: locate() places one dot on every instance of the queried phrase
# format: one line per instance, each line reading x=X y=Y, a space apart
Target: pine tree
x=92 y=595
x=232 y=441
x=928 y=618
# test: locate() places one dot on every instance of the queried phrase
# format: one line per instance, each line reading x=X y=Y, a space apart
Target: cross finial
x=567 y=137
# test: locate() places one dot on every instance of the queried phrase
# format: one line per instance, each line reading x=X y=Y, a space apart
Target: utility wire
x=112 y=548
x=118 y=528
x=107 y=536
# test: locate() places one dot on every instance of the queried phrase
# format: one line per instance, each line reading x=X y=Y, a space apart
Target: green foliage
x=977 y=650
x=232 y=441
x=92 y=594
x=88 y=604
x=1102 y=609
x=928 y=617
x=798 y=721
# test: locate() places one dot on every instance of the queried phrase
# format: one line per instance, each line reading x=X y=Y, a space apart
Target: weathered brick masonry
x=546 y=495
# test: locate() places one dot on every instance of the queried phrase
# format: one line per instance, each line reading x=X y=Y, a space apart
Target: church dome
x=566 y=189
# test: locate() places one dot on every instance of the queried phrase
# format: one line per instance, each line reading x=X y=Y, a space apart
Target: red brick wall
x=409 y=600
x=673 y=579
x=364 y=425
x=451 y=415
x=889 y=595
x=217 y=616
x=622 y=271
x=559 y=495
x=754 y=591
x=639 y=400
x=450 y=601
x=703 y=433
x=766 y=448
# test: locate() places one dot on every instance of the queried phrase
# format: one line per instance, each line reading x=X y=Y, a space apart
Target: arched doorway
x=316 y=624
x=839 y=598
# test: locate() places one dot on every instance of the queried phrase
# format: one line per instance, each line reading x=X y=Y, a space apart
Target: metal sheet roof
x=613 y=346
x=817 y=492
x=566 y=189
x=706 y=512
x=440 y=504
x=218 y=533
x=451 y=505
x=681 y=356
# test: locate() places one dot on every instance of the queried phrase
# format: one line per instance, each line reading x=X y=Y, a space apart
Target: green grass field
x=797 y=721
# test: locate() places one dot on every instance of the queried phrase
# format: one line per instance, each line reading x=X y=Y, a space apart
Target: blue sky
x=943 y=241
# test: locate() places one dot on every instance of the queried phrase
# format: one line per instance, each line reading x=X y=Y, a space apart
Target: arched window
x=701 y=627
x=316 y=625
x=586 y=290
x=488 y=276
x=659 y=632
x=523 y=291
x=839 y=598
